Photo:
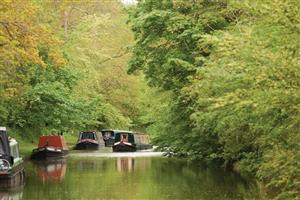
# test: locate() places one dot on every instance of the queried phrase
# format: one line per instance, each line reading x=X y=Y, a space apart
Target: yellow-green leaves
x=234 y=67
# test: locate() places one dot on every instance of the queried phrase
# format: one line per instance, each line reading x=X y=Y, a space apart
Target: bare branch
x=5 y=25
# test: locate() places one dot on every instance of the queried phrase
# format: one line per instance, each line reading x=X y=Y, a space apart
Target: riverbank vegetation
x=228 y=78
x=63 y=67
x=224 y=77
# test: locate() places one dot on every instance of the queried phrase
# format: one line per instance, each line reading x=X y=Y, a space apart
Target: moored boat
x=11 y=164
x=142 y=141
x=50 y=147
x=87 y=140
x=124 y=142
x=108 y=136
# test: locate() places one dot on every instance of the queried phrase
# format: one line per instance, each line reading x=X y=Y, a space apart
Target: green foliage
x=97 y=47
x=233 y=70
x=64 y=67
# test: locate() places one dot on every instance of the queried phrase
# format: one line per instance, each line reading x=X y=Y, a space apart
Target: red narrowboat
x=50 y=146
x=87 y=140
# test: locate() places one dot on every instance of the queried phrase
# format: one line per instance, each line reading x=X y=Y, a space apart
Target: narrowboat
x=11 y=164
x=124 y=142
x=108 y=136
x=87 y=140
x=142 y=141
x=50 y=147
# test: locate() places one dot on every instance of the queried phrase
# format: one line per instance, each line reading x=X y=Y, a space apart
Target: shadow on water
x=133 y=178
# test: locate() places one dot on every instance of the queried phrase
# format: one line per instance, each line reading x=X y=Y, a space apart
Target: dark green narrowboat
x=124 y=141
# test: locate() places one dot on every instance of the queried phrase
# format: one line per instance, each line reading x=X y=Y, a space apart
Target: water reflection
x=51 y=170
x=130 y=164
x=11 y=195
x=134 y=178
x=87 y=165
x=125 y=164
x=11 y=189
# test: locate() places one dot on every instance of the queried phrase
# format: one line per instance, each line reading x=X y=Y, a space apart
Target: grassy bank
x=27 y=142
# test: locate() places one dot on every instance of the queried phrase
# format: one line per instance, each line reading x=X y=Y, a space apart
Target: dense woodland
x=63 y=66
x=228 y=74
x=217 y=81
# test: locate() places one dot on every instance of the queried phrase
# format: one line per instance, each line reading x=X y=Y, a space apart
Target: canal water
x=128 y=177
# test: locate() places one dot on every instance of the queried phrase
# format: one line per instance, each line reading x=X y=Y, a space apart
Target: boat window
x=14 y=150
x=1 y=148
x=88 y=135
x=107 y=134
x=17 y=151
x=124 y=138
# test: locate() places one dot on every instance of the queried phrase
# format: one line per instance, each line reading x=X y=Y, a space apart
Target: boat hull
x=15 y=170
x=44 y=153
x=13 y=180
x=87 y=145
x=121 y=147
x=109 y=142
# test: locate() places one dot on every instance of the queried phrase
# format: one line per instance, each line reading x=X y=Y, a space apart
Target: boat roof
x=2 y=128
x=122 y=131
x=13 y=141
x=88 y=131
x=117 y=130
x=107 y=130
x=53 y=141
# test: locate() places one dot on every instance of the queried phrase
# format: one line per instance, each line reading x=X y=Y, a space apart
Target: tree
x=233 y=68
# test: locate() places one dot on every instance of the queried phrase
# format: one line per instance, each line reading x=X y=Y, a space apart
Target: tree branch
x=5 y=25
x=118 y=55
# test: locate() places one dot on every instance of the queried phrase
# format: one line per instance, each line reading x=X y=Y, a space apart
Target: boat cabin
x=5 y=147
x=142 y=141
x=10 y=160
x=124 y=141
x=50 y=146
x=108 y=136
x=14 y=150
x=87 y=140
x=88 y=136
x=54 y=141
x=124 y=136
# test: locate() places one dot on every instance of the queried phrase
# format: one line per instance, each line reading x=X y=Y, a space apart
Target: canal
x=129 y=177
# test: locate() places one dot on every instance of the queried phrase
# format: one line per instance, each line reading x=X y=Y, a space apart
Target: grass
x=26 y=144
